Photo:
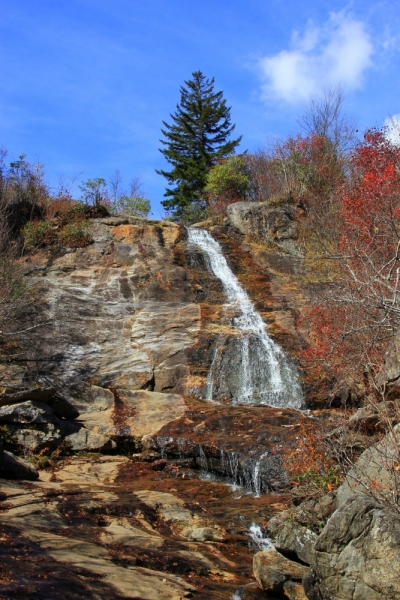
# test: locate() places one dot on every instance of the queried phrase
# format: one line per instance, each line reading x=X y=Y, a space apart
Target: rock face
x=100 y=527
x=122 y=313
x=357 y=555
x=136 y=312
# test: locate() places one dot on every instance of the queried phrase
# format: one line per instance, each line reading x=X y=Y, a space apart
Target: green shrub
x=75 y=235
x=228 y=180
x=328 y=480
x=80 y=212
x=38 y=234
x=135 y=206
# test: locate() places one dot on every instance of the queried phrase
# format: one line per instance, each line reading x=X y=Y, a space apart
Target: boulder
x=9 y=395
x=288 y=536
x=94 y=399
x=264 y=221
x=35 y=439
x=364 y=419
x=63 y=408
x=203 y=534
x=272 y=570
x=375 y=417
x=31 y=411
x=81 y=439
x=357 y=555
x=15 y=467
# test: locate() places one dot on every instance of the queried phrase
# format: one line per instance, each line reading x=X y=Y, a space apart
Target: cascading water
x=262 y=369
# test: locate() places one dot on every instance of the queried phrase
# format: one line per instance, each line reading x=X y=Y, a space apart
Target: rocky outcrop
x=274 y=224
x=43 y=425
x=357 y=554
x=15 y=392
x=28 y=412
x=132 y=414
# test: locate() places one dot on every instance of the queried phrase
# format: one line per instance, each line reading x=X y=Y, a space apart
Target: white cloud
x=392 y=129
x=337 y=53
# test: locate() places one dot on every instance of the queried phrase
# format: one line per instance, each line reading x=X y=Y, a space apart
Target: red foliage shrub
x=354 y=319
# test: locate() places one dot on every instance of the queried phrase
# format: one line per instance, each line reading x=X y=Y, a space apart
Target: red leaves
x=358 y=312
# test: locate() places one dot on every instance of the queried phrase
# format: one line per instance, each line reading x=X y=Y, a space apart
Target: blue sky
x=85 y=84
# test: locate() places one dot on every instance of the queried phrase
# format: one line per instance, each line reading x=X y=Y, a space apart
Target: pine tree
x=197 y=138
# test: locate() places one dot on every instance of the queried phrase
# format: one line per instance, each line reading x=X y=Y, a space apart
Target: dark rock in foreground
x=13 y=467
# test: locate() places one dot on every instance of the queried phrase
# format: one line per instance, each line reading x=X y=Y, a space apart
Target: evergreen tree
x=197 y=138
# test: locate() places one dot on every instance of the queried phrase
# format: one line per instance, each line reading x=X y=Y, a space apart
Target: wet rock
x=8 y=395
x=357 y=554
x=272 y=570
x=31 y=411
x=63 y=408
x=290 y=537
x=13 y=467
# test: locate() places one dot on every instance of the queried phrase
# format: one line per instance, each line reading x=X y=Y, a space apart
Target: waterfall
x=260 y=540
x=256 y=475
x=261 y=368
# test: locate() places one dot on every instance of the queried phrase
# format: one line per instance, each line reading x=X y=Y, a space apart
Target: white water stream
x=264 y=372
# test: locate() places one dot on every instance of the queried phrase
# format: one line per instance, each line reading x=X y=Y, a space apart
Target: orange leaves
x=310 y=454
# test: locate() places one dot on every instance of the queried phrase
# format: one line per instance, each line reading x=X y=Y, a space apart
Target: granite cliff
x=151 y=490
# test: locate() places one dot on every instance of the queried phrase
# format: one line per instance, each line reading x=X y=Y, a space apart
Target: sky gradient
x=85 y=85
